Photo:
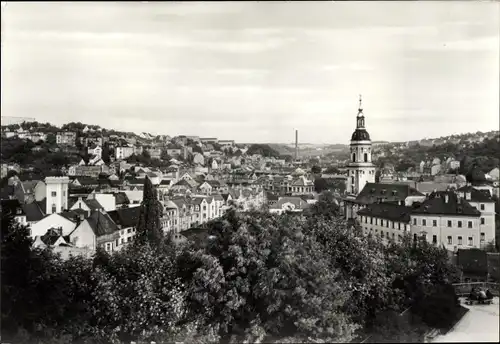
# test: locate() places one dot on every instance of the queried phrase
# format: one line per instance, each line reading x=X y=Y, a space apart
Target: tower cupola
x=360 y=134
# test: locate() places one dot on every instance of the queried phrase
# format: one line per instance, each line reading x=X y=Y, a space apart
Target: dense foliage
x=482 y=154
x=256 y=277
x=262 y=149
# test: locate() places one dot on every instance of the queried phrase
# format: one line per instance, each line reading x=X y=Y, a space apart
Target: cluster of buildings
x=94 y=204
x=461 y=214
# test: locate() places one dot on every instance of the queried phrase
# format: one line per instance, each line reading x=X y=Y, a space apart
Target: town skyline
x=255 y=72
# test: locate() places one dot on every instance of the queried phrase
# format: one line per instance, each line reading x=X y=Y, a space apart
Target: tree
x=105 y=153
x=197 y=149
x=316 y=169
x=262 y=279
x=332 y=170
x=149 y=228
x=51 y=139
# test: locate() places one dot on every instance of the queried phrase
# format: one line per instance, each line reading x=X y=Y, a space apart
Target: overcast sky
x=255 y=71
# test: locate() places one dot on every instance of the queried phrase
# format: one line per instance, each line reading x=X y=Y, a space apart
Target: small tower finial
x=360 y=104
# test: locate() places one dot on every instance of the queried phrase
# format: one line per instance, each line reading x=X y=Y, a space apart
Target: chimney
x=446 y=198
x=468 y=196
x=296 y=144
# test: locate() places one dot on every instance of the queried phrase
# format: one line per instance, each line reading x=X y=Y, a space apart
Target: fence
x=463 y=289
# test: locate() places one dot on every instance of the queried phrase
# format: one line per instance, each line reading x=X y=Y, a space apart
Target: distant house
x=123 y=152
x=126 y=220
x=66 y=138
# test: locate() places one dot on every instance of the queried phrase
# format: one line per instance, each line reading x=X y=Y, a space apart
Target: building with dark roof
x=443 y=218
x=390 y=221
x=97 y=230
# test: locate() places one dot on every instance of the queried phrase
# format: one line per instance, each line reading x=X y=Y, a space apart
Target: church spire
x=360 y=120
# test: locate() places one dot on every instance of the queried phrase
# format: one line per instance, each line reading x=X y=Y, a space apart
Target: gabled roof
x=272 y=197
x=428 y=187
x=476 y=195
x=213 y=183
x=393 y=212
x=218 y=197
x=438 y=203
x=93 y=204
x=34 y=211
x=121 y=198
x=127 y=217
x=372 y=192
x=29 y=186
x=135 y=181
x=87 y=181
x=197 y=200
x=101 y=223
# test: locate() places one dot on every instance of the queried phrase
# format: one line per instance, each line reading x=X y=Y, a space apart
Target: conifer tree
x=149 y=227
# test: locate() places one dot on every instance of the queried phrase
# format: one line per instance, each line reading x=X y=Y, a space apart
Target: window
x=469 y=224
x=128 y=230
x=399 y=225
x=392 y=224
x=376 y=221
x=414 y=237
x=482 y=220
x=424 y=222
x=450 y=240
x=366 y=157
x=460 y=240
x=393 y=235
x=434 y=239
x=371 y=220
x=482 y=206
x=459 y=224
x=415 y=222
x=53 y=193
x=483 y=237
x=449 y=223
x=434 y=223
x=121 y=241
x=204 y=207
x=129 y=239
x=353 y=157
x=471 y=241
x=54 y=208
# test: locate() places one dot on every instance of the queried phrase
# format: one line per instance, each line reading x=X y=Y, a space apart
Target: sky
x=255 y=71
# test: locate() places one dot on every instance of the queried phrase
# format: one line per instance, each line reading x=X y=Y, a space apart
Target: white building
x=443 y=219
x=360 y=169
x=123 y=152
x=56 y=194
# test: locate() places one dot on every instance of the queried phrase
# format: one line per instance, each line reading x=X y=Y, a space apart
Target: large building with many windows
x=445 y=218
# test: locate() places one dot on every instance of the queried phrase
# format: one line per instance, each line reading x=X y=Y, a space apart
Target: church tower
x=360 y=168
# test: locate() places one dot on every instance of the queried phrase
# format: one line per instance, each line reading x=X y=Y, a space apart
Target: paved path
x=479 y=324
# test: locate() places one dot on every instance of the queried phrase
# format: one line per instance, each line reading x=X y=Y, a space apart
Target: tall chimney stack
x=296 y=145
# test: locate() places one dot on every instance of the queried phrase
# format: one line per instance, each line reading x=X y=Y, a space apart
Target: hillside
x=309 y=150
